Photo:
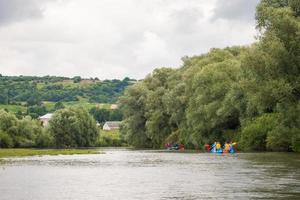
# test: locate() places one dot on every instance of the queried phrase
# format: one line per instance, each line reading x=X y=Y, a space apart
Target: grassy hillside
x=32 y=94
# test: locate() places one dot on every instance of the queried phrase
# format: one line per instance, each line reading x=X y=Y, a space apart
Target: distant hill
x=33 y=90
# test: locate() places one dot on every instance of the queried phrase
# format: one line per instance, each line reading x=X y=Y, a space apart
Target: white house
x=110 y=125
x=45 y=119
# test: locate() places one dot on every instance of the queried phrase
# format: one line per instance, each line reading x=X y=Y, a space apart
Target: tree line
x=68 y=128
x=32 y=90
x=248 y=94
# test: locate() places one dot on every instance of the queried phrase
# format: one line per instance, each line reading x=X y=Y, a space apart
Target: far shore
x=22 y=152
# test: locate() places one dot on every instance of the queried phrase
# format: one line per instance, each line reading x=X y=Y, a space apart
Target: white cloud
x=115 y=38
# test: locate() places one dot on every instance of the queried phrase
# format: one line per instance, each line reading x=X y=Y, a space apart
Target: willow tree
x=209 y=113
x=271 y=69
x=132 y=104
x=73 y=128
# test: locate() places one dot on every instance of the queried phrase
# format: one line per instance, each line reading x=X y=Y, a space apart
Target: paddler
x=226 y=147
x=218 y=146
x=231 y=150
x=213 y=147
x=207 y=147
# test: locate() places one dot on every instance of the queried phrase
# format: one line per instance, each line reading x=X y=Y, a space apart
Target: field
x=50 y=105
x=39 y=152
x=13 y=108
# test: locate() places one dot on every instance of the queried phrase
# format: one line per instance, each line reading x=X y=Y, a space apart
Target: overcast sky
x=116 y=38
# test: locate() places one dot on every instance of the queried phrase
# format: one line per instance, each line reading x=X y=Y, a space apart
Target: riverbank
x=39 y=152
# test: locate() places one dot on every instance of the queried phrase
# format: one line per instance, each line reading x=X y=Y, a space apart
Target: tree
x=73 y=128
x=18 y=133
x=36 y=111
x=132 y=104
x=76 y=79
x=5 y=140
x=115 y=115
x=209 y=113
x=27 y=132
x=59 y=105
x=100 y=114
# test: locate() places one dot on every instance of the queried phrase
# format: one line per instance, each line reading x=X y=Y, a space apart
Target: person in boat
x=181 y=147
x=175 y=146
x=213 y=147
x=207 y=147
x=168 y=145
x=218 y=148
x=226 y=147
x=231 y=147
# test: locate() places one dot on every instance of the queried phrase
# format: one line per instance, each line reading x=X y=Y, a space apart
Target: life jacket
x=227 y=146
x=218 y=146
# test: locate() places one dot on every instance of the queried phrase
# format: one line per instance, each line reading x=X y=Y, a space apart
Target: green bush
x=111 y=138
x=279 y=139
x=44 y=140
x=296 y=140
x=23 y=142
x=254 y=134
x=73 y=128
x=5 y=140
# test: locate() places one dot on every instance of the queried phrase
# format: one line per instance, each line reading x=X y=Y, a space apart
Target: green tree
x=133 y=107
x=100 y=114
x=59 y=105
x=5 y=140
x=73 y=128
x=115 y=115
x=209 y=113
x=76 y=79
x=44 y=140
x=254 y=133
x=36 y=111
x=19 y=133
x=27 y=132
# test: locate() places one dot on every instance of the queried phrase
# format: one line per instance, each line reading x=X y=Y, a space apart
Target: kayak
x=214 y=150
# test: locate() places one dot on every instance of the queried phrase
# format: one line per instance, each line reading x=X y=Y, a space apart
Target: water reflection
x=125 y=174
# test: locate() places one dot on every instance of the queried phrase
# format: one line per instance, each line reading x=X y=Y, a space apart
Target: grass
x=13 y=108
x=39 y=152
x=50 y=105
x=85 y=104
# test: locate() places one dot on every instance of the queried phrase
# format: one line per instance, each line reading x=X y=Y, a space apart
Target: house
x=110 y=125
x=45 y=119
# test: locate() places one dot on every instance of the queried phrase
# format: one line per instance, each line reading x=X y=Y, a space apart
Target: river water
x=125 y=174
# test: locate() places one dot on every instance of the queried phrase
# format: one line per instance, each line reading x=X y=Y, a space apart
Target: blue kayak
x=214 y=150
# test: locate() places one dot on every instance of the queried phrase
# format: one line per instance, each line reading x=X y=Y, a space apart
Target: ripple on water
x=124 y=174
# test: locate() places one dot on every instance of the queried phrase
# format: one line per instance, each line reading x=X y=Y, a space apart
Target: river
x=147 y=174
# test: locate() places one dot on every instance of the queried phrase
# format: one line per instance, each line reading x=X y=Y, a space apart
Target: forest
x=33 y=90
x=247 y=94
x=68 y=128
x=36 y=96
x=82 y=101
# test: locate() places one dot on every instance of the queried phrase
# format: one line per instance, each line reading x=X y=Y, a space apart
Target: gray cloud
x=235 y=10
x=112 y=38
x=16 y=10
